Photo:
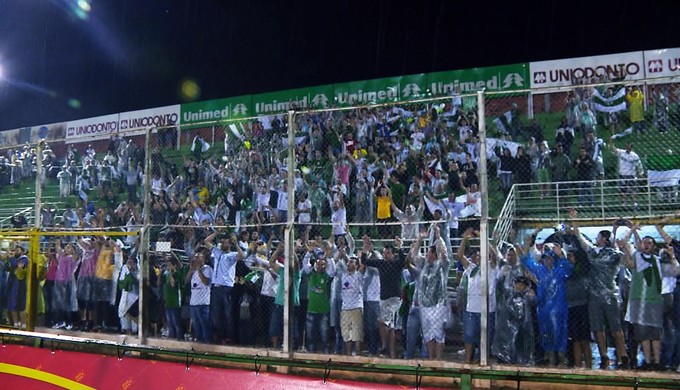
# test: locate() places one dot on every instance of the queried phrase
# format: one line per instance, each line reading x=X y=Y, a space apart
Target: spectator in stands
x=560 y=165
x=17 y=270
x=635 y=99
x=224 y=258
x=505 y=169
x=543 y=168
x=389 y=268
x=320 y=273
x=645 y=304
x=64 y=177
x=383 y=201
x=171 y=281
x=430 y=296
x=603 y=299
x=128 y=283
x=86 y=283
x=565 y=135
x=585 y=174
x=276 y=324
x=504 y=346
x=670 y=292
x=66 y=262
x=594 y=147
x=471 y=283
x=585 y=119
x=351 y=315
x=339 y=214
x=104 y=281
x=522 y=171
x=551 y=275
x=199 y=279
x=629 y=166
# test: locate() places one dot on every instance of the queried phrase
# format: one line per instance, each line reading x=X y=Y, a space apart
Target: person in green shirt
x=320 y=271
x=171 y=284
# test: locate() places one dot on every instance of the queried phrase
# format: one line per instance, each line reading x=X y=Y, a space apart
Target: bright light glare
x=2 y=74
x=84 y=5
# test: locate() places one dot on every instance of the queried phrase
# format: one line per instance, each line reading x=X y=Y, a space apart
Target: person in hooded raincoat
x=551 y=274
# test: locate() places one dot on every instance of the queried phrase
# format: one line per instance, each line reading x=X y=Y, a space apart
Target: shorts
x=102 y=290
x=389 y=312
x=432 y=323
x=579 y=325
x=644 y=332
x=352 y=325
x=85 y=288
x=603 y=311
x=472 y=327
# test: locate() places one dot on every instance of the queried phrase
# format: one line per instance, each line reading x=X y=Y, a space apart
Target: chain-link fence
x=357 y=231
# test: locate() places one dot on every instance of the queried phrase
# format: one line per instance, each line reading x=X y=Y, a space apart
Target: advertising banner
x=566 y=72
x=91 y=129
x=301 y=98
x=23 y=367
x=662 y=63
x=51 y=132
x=374 y=91
x=205 y=112
x=9 y=138
x=493 y=78
x=136 y=122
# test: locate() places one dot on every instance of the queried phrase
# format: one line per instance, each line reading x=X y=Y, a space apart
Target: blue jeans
x=200 y=319
x=317 y=325
x=413 y=331
x=220 y=312
x=372 y=337
x=173 y=319
x=670 y=340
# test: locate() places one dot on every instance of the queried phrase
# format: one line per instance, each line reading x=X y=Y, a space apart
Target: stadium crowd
x=404 y=181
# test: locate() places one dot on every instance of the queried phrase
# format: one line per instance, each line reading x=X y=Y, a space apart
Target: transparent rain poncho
x=552 y=301
x=508 y=324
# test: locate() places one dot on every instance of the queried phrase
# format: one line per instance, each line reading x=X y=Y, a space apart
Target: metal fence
x=362 y=231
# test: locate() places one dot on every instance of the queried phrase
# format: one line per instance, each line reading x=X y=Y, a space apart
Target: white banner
x=664 y=178
x=97 y=128
x=662 y=63
x=136 y=122
x=560 y=73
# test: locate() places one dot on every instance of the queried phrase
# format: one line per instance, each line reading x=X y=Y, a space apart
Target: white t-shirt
x=474 y=290
x=200 y=293
x=352 y=291
x=282 y=201
x=305 y=217
x=339 y=219
x=627 y=162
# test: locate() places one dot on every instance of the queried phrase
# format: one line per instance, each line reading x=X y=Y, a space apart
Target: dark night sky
x=133 y=54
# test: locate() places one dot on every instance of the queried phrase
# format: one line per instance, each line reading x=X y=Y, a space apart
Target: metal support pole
x=34 y=245
x=483 y=231
x=38 y=185
x=289 y=238
x=144 y=243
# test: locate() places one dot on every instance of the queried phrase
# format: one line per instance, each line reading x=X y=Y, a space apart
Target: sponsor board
x=205 y=112
x=567 y=72
x=662 y=63
x=298 y=99
x=91 y=129
x=136 y=122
